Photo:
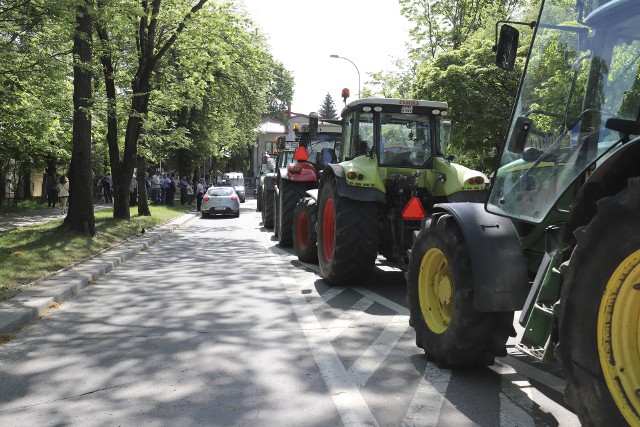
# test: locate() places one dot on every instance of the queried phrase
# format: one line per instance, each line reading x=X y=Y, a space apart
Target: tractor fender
x=498 y=266
x=607 y=179
x=361 y=194
x=269 y=183
x=300 y=171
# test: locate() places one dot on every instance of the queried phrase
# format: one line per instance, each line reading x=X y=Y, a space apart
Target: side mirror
x=446 y=133
x=519 y=135
x=313 y=123
x=507 y=47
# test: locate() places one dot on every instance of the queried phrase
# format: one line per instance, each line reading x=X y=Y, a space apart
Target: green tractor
x=558 y=238
x=390 y=171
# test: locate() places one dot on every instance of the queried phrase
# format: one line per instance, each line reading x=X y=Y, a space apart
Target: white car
x=220 y=201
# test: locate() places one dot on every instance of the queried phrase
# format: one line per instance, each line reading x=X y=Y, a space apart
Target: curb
x=49 y=291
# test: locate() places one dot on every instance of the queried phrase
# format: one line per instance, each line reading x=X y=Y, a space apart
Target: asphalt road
x=217 y=325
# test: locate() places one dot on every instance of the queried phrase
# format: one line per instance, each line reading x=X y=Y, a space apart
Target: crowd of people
x=161 y=189
x=57 y=189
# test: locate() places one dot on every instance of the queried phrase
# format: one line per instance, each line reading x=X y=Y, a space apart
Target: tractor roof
x=358 y=103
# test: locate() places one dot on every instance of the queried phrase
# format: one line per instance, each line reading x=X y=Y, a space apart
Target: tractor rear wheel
x=599 y=322
x=267 y=208
x=290 y=194
x=347 y=236
x=305 y=217
x=259 y=199
x=440 y=292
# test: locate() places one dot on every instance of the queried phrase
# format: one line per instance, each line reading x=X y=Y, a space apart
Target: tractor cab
x=586 y=109
x=399 y=133
x=319 y=141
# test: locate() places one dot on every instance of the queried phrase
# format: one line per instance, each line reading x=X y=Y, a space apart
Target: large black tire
x=305 y=217
x=290 y=194
x=275 y=205
x=599 y=323
x=259 y=199
x=440 y=293
x=267 y=211
x=347 y=236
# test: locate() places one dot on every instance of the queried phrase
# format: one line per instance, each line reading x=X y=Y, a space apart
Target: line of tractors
x=554 y=234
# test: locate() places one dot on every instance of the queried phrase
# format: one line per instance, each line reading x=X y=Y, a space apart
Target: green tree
x=479 y=94
x=35 y=88
x=328 y=108
x=441 y=25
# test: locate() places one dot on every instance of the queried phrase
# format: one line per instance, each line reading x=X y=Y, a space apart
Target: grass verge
x=29 y=253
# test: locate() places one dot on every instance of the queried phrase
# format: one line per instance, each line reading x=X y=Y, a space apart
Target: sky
x=303 y=34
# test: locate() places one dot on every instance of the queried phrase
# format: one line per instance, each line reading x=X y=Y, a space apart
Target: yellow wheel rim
x=619 y=339
x=435 y=290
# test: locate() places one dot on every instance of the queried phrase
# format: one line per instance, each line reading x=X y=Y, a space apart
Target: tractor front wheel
x=347 y=236
x=440 y=292
x=305 y=217
x=599 y=316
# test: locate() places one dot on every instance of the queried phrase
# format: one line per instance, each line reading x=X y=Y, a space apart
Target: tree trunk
x=143 y=203
x=80 y=217
x=112 y=125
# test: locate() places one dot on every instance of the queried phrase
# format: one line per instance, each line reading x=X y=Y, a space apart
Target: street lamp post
x=347 y=59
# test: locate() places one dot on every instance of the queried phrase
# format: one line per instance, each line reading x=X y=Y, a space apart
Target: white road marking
x=384 y=301
x=520 y=393
x=425 y=406
x=517 y=395
x=348 y=317
x=375 y=355
x=349 y=402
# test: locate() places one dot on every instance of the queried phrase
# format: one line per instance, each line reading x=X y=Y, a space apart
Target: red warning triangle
x=301 y=154
x=413 y=211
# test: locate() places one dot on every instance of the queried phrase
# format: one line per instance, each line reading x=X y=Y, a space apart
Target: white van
x=237 y=180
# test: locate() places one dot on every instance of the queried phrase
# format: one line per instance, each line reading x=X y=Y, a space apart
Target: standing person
x=165 y=185
x=184 y=184
x=171 y=189
x=52 y=190
x=200 y=189
x=189 y=194
x=106 y=189
x=155 y=188
x=63 y=194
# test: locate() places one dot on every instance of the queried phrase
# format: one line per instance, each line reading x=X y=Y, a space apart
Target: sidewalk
x=38 y=297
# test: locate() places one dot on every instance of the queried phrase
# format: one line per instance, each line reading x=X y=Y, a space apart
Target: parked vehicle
x=283 y=157
x=317 y=142
x=220 y=201
x=267 y=166
x=390 y=172
x=558 y=236
x=237 y=180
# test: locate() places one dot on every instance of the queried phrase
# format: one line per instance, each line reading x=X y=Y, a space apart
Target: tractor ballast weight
x=569 y=181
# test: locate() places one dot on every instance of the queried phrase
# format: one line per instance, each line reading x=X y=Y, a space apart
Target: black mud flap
x=497 y=261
